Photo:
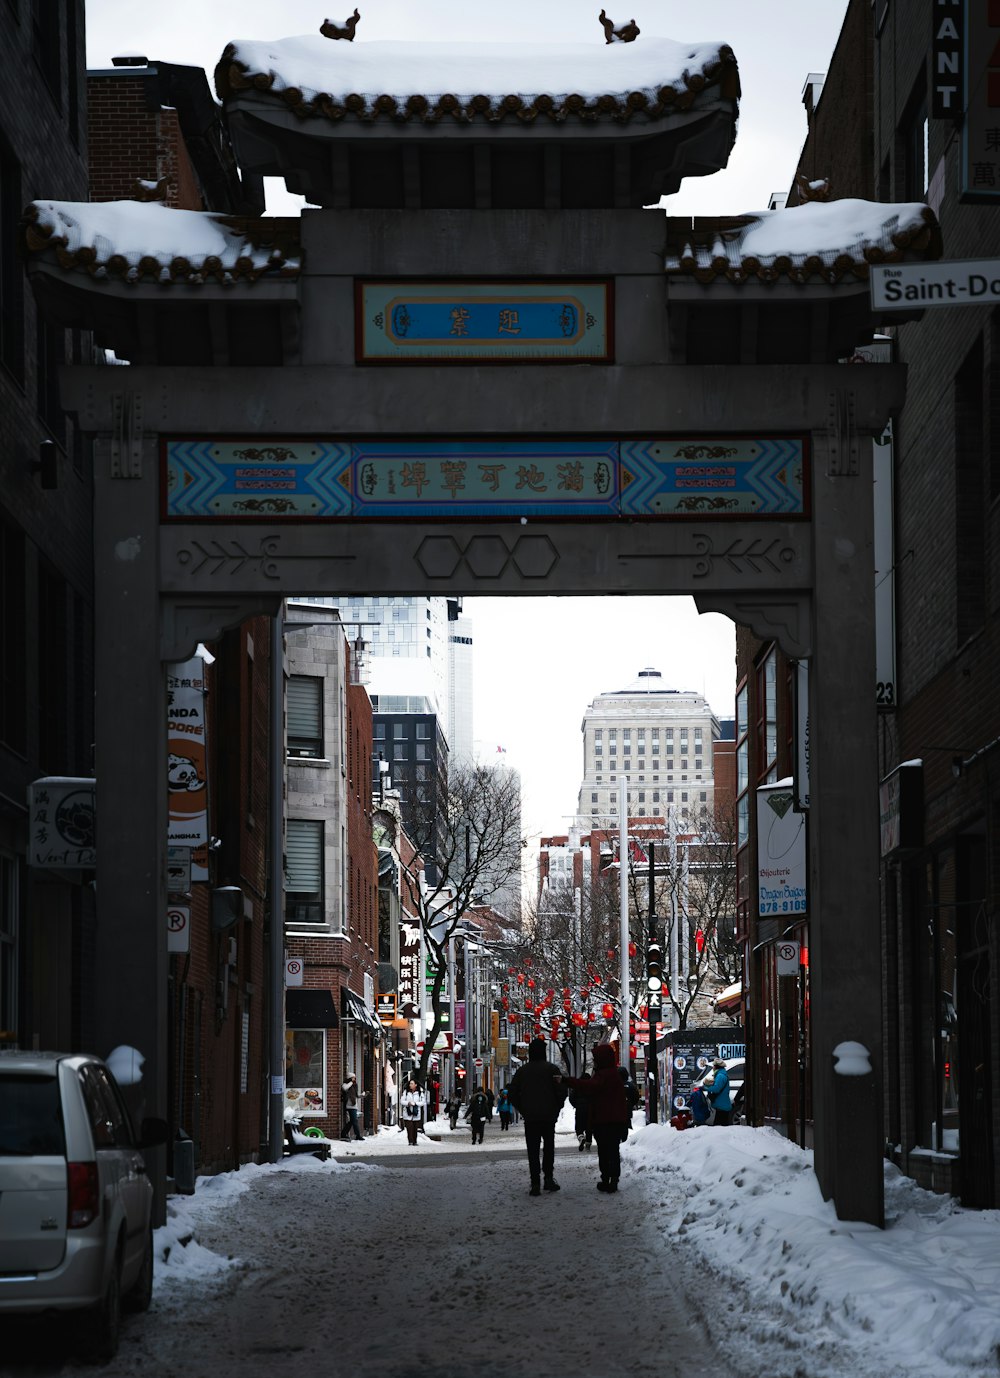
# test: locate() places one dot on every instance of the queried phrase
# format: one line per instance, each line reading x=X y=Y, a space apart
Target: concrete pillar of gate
x=131 y=956
x=844 y=914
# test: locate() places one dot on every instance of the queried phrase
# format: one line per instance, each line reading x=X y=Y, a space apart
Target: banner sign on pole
x=187 y=768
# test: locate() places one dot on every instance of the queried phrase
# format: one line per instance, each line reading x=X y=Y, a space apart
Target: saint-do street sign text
x=329 y=479
x=960 y=282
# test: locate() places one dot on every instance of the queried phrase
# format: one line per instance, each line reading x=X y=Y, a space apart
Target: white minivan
x=75 y=1199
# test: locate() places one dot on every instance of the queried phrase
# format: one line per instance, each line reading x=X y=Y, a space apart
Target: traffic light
x=654 y=979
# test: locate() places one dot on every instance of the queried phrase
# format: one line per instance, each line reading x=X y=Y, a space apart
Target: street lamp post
x=654 y=995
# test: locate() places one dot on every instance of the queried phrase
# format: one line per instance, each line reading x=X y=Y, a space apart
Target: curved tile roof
x=832 y=241
x=466 y=82
x=133 y=241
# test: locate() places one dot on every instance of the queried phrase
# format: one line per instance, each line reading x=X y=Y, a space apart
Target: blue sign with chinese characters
x=399 y=322
x=327 y=479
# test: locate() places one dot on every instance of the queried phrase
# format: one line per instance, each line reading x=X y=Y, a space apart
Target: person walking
x=489 y=1099
x=349 y=1101
x=537 y=1094
x=411 y=1110
x=718 y=1094
x=453 y=1107
x=609 y=1113
x=581 y=1116
x=504 y=1109
x=478 y=1113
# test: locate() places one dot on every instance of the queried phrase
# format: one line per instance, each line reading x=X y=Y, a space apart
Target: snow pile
x=928 y=1286
x=144 y=238
x=310 y=67
x=820 y=234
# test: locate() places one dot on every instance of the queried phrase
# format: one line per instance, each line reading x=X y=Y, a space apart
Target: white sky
x=539 y=662
x=793 y=1289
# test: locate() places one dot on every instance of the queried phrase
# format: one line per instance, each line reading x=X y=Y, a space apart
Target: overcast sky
x=540 y=662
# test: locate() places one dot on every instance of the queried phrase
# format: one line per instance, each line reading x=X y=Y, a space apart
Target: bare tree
x=470 y=833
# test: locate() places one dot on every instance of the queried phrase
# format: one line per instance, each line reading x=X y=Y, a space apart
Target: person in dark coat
x=581 y=1118
x=537 y=1094
x=453 y=1107
x=477 y=1113
x=609 y=1113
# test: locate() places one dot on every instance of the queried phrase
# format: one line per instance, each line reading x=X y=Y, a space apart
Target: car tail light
x=84 y=1203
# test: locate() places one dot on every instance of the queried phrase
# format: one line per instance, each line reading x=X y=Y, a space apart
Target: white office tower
x=407 y=649
x=661 y=739
x=458 y=726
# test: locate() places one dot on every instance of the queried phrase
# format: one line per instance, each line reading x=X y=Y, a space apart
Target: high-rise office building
x=662 y=740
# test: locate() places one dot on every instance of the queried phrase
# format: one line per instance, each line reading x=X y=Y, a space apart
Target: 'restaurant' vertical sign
x=187 y=775
x=947 y=88
x=980 y=168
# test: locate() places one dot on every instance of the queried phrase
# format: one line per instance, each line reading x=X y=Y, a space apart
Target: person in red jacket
x=609 y=1113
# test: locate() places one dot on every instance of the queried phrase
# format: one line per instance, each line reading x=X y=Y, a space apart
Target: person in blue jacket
x=698 y=1105
x=717 y=1091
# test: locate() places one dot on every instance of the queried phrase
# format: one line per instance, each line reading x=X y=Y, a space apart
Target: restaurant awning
x=310 y=1009
x=729 y=997
x=353 y=1007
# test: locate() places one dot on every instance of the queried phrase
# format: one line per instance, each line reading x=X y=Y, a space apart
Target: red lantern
x=550 y=992
x=504 y=1003
x=531 y=984
x=631 y=949
x=611 y=954
x=608 y=1011
x=520 y=978
x=579 y=1019
x=567 y=1005
x=597 y=979
x=591 y=1017
x=699 y=939
x=554 y=1035
x=529 y=1005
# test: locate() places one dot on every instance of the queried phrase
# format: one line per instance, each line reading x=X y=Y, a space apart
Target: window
x=697 y=734
x=913 y=137
x=642 y=763
x=398 y=731
x=305 y=1070
x=598 y=734
x=626 y=734
x=614 y=798
x=684 y=797
x=697 y=748
x=970 y=497
x=767 y=717
x=593 y=798
x=668 y=733
x=670 y=796
x=423 y=751
x=598 y=749
x=378 y=731
x=304 y=871
x=400 y=751
x=656 y=762
x=684 y=764
x=11 y=270
x=304 y=706
x=627 y=763
x=13 y=700
x=613 y=748
x=423 y=731
x=670 y=749
x=656 y=796
x=642 y=796
x=45 y=34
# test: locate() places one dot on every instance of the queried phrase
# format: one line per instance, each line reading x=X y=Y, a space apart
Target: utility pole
x=654 y=995
x=623 y=913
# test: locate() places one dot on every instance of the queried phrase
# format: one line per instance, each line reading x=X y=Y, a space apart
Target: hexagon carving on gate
x=534 y=557
x=487 y=556
x=439 y=556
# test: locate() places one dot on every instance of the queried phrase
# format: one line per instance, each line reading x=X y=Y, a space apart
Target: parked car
x=75 y=1199
x=735 y=1069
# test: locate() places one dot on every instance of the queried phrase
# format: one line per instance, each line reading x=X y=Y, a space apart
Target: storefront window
x=305 y=1071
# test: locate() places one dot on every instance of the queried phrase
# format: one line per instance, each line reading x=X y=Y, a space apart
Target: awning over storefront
x=353 y=1007
x=310 y=1009
x=730 y=997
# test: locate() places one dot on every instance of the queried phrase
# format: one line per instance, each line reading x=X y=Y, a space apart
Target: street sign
x=477 y=1063
x=788 y=958
x=293 y=971
x=178 y=928
x=958 y=282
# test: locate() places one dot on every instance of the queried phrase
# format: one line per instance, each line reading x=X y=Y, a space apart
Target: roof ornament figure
x=818 y=190
x=146 y=190
x=340 y=28
x=621 y=33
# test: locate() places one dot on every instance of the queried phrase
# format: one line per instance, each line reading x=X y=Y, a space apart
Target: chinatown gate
x=481 y=368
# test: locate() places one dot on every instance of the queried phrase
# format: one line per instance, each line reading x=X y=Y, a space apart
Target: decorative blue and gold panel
x=486 y=478
x=324 y=479
x=438 y=322
x=256 y=478
x=713 y=477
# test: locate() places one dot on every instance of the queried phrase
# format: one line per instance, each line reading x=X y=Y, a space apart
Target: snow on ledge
x=137 y=239
x=401 y=80
x=829 y=239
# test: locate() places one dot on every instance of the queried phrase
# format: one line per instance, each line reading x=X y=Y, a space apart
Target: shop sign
x=187 y=769
x=980 y=161
x=781 y=852
x=901 y=809
x=947 y=88
x=61 y=823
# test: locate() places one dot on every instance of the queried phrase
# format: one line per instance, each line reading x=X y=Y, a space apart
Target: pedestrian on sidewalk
x=717 y=1091
x=504 y=1109
x=349 y=1101
x=609 y=1113
x=411 y=1110
x=478 y=1113
x=490 y=1100
x=537 y=1094
x=453 y=1107
x=581 y=1116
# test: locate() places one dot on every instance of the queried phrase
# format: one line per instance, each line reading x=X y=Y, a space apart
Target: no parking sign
x=178 y=928
x=293 y=971
x=788 y=958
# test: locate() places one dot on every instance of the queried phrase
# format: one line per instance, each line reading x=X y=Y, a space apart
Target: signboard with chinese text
x=500 y=478
x=61 y=823
x=980 y=162
x=409 y=970
x=403 y=322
